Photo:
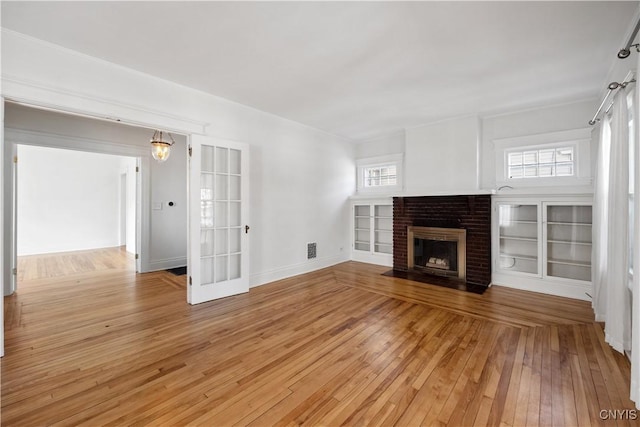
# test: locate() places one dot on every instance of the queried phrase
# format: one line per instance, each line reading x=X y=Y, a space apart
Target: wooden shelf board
x=569 y=262
x=525 y=257
x=526 y=239
x=569 y=242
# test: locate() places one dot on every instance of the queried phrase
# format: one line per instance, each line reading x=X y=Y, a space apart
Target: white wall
x=442 y=157
x=168 y=236
x=67 y=200
x=381 y=146
x=301 y=178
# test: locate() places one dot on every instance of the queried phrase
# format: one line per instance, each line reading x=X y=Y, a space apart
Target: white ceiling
x=356 y=69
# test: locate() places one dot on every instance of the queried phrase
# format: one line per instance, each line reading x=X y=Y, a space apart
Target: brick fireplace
x=470 y=213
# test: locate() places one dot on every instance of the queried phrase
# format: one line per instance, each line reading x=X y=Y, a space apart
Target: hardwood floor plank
x=341 y=345
x=525 y=384
x=607 y=363
x=442 y=381
x=513 y=390
x=508 y=343
x=555 y=373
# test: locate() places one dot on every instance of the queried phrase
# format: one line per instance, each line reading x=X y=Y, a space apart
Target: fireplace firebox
x=439 y=251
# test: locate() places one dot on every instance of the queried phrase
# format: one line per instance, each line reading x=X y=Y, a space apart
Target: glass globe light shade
x=160 y=150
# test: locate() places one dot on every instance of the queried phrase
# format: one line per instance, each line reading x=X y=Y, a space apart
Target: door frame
x=48 y=99
x=15 y=137
x=122 y=211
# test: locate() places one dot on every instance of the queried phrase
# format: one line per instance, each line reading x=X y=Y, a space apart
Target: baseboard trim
x=269 y=276
x=550 y=287
x=369 y=258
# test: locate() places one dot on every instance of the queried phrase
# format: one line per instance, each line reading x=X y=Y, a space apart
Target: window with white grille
x=379 y=175
x=542 y=163
x=555 y=159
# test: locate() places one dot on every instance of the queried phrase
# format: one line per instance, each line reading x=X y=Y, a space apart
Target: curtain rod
x=612 y=86
x=626 y=51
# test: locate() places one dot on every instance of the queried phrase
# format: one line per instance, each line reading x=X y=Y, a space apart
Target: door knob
x=246 y=229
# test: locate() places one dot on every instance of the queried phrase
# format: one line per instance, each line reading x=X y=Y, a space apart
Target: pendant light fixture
x=161 y=147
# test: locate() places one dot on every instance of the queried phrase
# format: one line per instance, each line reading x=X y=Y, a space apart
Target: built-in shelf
x=516 y=256
x=518 y=237
x=569 y=242
x=543 y=244
x=570 y=262
x=373 y=232
x=525 y=239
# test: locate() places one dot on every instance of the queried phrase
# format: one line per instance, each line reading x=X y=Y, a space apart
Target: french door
x=218 y=259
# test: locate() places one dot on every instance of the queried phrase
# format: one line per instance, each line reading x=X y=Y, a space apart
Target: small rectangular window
x=544 y=163
x=380 y=176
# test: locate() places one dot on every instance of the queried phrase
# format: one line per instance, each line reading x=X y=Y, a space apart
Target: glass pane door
x=568 y=231
x=220 y=219
x=362 y=227
x=218 y=258
x=518 y=238
x=383 y=229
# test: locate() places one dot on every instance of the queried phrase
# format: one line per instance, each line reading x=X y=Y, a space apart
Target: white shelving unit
x=568 y=237
x=518 y=229
x=543 y=244
x=372 y=240
x=383 y=229
x=362 y=230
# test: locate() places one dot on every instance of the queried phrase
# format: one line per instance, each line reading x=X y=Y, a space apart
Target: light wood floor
x=65 y=263
x=343 y=345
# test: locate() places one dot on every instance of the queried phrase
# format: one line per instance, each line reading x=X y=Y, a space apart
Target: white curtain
x=599 y=221
x=612 y=297
x=618 y=323
x=635 y=339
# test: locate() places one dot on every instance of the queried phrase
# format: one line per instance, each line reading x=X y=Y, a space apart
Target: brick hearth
x=472 y=213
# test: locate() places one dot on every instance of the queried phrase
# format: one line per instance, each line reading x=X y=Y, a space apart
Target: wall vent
x=311 y=250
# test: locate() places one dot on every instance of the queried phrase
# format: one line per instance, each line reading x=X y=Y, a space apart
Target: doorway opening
x=160 y=210
x=75 y=212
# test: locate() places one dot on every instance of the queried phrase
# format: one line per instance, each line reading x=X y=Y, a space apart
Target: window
x=541 y=163
x=379 y=174
x=555 y=159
